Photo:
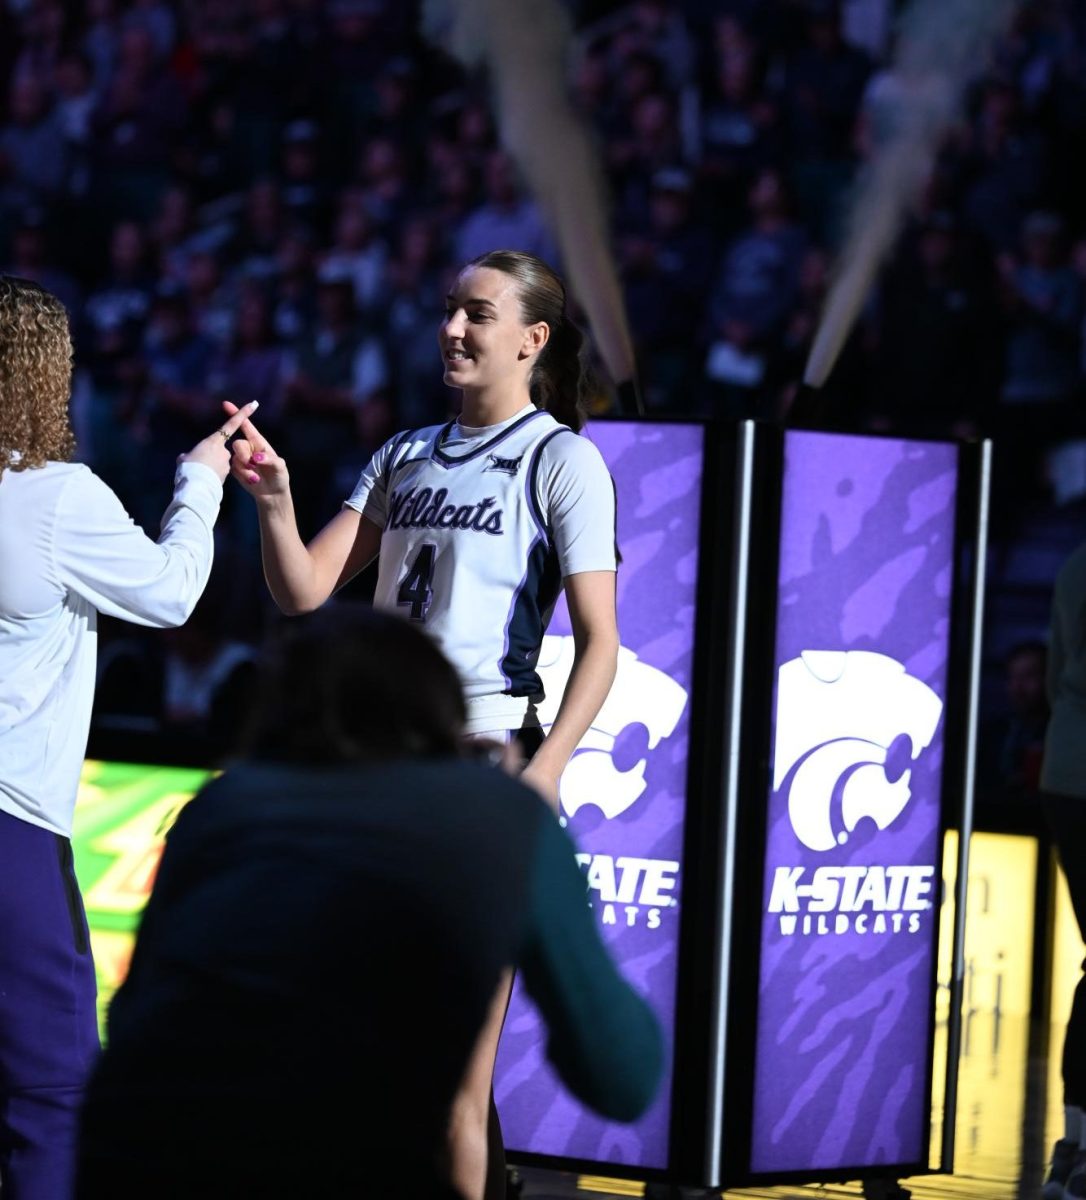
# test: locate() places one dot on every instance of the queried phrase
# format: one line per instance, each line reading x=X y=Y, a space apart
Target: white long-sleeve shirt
x=68 y=550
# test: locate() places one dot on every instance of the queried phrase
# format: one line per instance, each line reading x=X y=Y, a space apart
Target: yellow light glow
x=613 y=1187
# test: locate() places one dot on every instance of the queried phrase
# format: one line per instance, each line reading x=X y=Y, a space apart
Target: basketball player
x=478 y=525
x=68 y=551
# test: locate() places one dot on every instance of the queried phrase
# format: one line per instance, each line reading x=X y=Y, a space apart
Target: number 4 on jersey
x=415 y=588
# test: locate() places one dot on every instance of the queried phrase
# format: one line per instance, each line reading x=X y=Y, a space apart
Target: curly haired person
x=68 y=551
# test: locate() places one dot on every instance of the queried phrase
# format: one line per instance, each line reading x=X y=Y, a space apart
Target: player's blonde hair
x=35 y=377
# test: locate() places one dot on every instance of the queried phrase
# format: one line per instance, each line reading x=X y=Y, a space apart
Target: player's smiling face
x=483 y=339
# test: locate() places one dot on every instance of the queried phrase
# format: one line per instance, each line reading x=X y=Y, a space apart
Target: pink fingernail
x=258 y=458
x=254 y=478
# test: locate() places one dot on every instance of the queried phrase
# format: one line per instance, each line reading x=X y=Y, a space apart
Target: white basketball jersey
x=466 y=550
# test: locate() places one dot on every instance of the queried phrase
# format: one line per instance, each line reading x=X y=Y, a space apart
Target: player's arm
x=99 y=553
x=300 y=577
x=603 y=1039
x=590 y=596
x=577 y=495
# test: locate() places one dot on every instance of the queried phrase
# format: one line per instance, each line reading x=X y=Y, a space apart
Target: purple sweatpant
x=48 y=1027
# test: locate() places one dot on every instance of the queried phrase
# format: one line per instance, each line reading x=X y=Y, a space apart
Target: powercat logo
x=629 y=889
x=640 y=695
x=850 y=727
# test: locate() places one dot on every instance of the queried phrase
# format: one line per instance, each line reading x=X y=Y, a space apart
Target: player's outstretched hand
x=256 y=466
x=213 y=451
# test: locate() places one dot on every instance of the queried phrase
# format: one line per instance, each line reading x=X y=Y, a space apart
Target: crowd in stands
x=265 y=199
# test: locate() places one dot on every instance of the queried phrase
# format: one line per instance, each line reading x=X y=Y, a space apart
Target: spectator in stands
x=31 y=259
x=653 y=143
x=454 y=194
x=359 y=252
x=415 y=277
x=302 y=183
x=1010 y=745
x=134 y=130
x=115 y=430
x=639 y=73
x=251 y=362
x=358 y=45
x=508 y=218
x=1006 y=163
x=204 y=677
x=802 y=324
x=77 y=98
x=335 y=394
x=158 y=20
x=667 y=264
x=295 y=305
x=178 y=397
x=659 y=26
x=212 y=300
x=475 y=136
x=100 y=40
x=935 y=328
x=756 y=287
x=125 y=294
x=256 y=241
x=740 y=131
x=822 y=85
x=1043 y=299
x=398 y=112
x=33 y=150
x=1043 y=296
x=42 y=33
x=386 y=184
x=215 y=156
x=591 y=89
x=173 y=232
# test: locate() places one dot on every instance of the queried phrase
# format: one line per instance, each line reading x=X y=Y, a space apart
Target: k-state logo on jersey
x=640 y=695
x=850 y=727
x=508 y=466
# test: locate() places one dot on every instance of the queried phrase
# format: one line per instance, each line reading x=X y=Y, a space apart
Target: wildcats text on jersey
x=425 y=508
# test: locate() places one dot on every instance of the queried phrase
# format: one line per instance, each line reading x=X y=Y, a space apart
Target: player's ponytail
x=559 y=381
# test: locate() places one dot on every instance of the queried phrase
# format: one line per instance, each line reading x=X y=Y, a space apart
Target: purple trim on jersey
x=530 y=481
x=401 y=442
x=451 y=461
x=529 y=611
x=406 y=463
x=404 y=440
x=512 y=610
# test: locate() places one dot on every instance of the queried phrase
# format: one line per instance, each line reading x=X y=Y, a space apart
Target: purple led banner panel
x=624 y=792
x=850 y=900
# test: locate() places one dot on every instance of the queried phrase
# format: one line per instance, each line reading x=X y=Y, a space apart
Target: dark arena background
x=266 y=199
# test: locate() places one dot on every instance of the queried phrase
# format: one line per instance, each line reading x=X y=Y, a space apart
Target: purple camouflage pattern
x=844 y=1020
x=657 y=471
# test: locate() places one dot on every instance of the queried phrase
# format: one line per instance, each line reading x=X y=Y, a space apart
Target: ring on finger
x=223 y=434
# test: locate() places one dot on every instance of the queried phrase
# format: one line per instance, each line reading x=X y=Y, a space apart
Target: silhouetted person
x=326 y=938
